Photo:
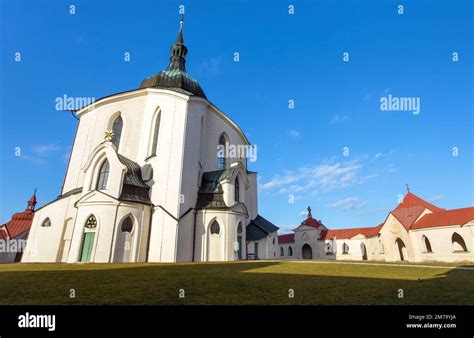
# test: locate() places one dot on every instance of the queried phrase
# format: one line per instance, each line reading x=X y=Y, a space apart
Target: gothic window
x=46 y=222
x=458 y=243
x=156 y=132
x=91 y=222
x=281 y=252
x=117 y=128
x=290 y=251
x=237 y=190
x=103 y=176
x=221 y=153
x=127 y=225
x=215 y=228
x=426 y=244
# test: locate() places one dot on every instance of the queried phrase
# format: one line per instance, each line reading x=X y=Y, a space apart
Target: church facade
x=161 y=186
x=415 y=231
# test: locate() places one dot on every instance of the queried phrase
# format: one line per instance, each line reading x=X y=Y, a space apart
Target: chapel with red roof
x=415 y=230
x=14 y=233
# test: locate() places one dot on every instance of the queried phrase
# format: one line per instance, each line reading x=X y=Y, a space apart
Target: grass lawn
x=258 y=282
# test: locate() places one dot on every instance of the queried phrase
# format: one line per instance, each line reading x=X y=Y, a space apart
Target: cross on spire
x=309 y=212
x=408 y=187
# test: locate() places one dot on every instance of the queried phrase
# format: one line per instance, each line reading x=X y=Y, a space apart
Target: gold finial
x=181 y=23
x=108 y=135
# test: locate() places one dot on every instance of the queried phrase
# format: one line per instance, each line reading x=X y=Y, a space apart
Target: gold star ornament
x=108 y=135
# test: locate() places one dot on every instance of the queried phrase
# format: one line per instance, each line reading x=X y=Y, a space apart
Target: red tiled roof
x=288 y=238
x=310 y=221
x=411 y=200
x=408 y=211
x=407 y=216
x=445 y=217
x=349 y=233
x=20 y=222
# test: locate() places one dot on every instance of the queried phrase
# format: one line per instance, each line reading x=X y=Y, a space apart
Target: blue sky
x=282 y=57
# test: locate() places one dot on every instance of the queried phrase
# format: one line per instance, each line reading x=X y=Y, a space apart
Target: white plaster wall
x=440 y=239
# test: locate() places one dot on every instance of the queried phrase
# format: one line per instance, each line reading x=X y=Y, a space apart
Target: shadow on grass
x=233 y=283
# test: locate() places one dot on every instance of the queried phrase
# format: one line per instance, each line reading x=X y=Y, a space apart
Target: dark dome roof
x=175 y=76
x=174 y=79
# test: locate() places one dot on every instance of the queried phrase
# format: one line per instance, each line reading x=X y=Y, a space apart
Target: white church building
x=163 y=185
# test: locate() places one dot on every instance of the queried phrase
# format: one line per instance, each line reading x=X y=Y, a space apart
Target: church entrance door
x=307 y=252
x=87 y=243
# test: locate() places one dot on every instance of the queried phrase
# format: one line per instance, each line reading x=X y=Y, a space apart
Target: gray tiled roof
x=211 y=193
x=134 y=189
x=259 y=228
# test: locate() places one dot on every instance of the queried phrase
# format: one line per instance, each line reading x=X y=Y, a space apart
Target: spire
x=32 y=202
x=309 y=212
x=178 y=51
x=180 y=39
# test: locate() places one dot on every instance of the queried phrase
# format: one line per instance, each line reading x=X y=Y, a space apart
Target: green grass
x=233 y=283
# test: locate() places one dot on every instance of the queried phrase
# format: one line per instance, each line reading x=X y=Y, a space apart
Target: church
x=414 y=231
x=150 y=179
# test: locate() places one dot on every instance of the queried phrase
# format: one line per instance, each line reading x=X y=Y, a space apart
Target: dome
x=174 y=79
x=175 y=76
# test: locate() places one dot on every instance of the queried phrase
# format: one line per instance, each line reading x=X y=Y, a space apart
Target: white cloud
x=211 y=66
x=285 y=229
x=349 y=203
x=46 y=149
x=33 y=159
x=294 y=133
x=436 y=198
x=339 y=118
x=316 y=178
x=303 y=213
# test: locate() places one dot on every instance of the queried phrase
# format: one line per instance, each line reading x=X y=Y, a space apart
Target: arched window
x=273 y=240
x=215 y=228
x=237 y=190
x=458 y=243
x=127 y=225
x=221 y=153
x=91 y=222
x=156 y=132
x=117 y=128
x=46 y=222
x=103 y=176
x=290 y=251
x=345 y=248
x=426 y=244
x=281 y=252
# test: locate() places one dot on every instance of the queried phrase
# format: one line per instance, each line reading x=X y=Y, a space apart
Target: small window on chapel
x=117 y=128
x=91 y=222
x=103 y=176
x=46 y=223
x=215 y=228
